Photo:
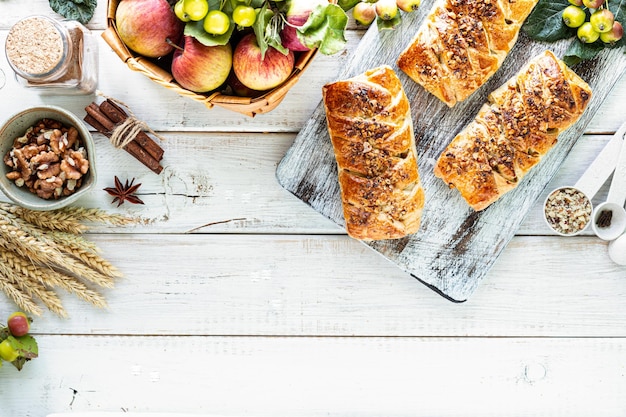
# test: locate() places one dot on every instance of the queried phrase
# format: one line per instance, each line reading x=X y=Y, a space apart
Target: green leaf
x=196 y=30
x=324 y=29
x=347 y=4
x=267 y=29
x=545 y=22
x=26 y=346
x=619 y=9
x=579 y=51
x=272 y=34
x=80 y=10
x=390 y=24
x=260 y=26
x=4 y=333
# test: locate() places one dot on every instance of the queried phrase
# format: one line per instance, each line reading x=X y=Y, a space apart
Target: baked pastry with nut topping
x=370 y=126
x=461 y=44
x=513 y=131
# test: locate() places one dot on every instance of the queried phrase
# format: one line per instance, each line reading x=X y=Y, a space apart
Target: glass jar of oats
x=53 y=55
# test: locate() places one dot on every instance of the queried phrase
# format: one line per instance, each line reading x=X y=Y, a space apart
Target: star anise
x=124 y=192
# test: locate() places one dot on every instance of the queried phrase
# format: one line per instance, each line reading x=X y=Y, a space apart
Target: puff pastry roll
x=369 y=122
x=461 y=44
x=513 y=131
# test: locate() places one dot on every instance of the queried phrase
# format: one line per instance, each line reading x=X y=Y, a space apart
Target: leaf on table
x=545 y=22
x=80 y=10
x=26 y=346
x=390 y=24
x=579 y=51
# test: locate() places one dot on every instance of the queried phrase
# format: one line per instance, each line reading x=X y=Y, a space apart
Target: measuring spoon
x=603 y=166
x=617 y=250
x=596 y=174
x=609 y=218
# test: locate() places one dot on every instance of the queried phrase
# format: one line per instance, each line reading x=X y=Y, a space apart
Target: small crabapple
x=18 y=324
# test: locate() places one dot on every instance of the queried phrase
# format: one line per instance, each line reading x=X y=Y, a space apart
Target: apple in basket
x=297 y=14
x=260 y=72
x=200 y=68
x=145 y=26
x=239 y=89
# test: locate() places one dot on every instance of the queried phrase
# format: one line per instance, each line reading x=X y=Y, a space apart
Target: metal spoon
x=609 y=218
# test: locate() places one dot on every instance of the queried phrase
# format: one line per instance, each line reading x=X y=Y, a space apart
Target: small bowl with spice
x=48 y=158
x=567 y=211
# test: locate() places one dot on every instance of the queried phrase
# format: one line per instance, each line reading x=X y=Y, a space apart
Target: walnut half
x=48 y=159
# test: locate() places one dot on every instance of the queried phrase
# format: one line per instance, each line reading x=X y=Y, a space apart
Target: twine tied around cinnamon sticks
x=125 y=131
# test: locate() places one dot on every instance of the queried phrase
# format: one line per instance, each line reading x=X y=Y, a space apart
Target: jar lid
x=36 y=47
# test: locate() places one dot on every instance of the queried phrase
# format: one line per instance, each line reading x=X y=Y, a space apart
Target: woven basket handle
x=111 y=37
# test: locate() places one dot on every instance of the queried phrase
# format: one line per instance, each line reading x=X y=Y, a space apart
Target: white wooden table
x=240 y=300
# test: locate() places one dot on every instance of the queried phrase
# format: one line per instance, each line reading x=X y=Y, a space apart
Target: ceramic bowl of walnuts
x=47 y=158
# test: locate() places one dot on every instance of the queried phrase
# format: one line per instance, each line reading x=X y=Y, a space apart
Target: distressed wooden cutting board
x=455 y=246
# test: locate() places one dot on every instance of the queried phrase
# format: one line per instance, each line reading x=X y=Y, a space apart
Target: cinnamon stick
x=105 y=126
x=133 y=149
x=117 y=115
x=93 y=122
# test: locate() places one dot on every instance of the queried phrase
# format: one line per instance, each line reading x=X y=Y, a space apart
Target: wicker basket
x=245 y=105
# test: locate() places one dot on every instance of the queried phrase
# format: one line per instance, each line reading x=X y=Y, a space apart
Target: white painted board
x=455 y=246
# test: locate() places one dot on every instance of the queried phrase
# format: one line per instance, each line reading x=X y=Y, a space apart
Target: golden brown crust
x=512 y=132
x=461 y=44
x=369 y=122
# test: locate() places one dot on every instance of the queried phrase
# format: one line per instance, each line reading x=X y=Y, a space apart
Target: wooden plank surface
x=332 y=286
x=329 y=377
x=455 y=246
x=282 y=314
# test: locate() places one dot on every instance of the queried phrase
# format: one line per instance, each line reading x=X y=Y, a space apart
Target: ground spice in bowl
x=567 y=211
x=604 y=219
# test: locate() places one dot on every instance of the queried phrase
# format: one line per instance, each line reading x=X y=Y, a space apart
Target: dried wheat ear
x=44 y=252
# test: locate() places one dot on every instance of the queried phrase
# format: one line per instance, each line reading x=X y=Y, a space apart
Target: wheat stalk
x=23 y=301
x=14 y=238
x=45 y=219
x=43 y=251
x=51 y=278
x=79 y=248
x=92 y=215
x=28 y=238
x=71 y=239
x=33 y=288
x=66 y=219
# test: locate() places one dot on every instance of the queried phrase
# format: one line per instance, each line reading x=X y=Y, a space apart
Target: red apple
x=258 y=72
x=297 y=14
x=200 y=68
x=593 y=4
x=146 y=25
x=239 y=89
x=18 y=324
x=614 y=35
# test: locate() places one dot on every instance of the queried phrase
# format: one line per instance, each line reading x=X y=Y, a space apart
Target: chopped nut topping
x=568 y=210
